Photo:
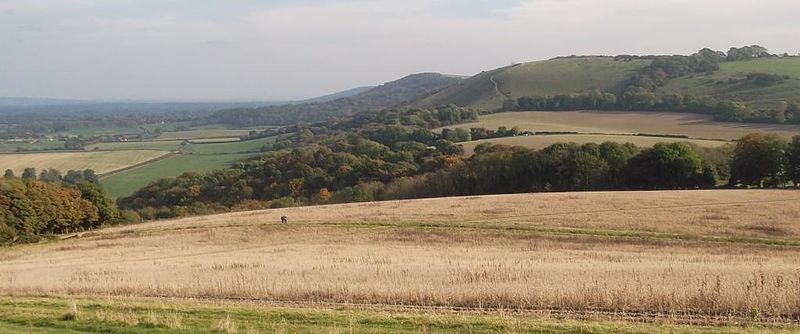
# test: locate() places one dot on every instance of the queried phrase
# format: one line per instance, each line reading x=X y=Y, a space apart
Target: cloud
x=206 y=49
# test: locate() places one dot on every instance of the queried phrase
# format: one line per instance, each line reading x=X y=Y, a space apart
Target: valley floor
x=714 y=257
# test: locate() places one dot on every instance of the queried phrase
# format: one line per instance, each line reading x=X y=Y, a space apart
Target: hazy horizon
x=180 y=50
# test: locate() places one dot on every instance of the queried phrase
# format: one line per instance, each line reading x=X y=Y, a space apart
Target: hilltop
x=487 y=90
x=758 y=83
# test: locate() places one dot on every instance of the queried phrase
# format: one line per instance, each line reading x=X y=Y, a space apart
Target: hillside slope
x=489 y=89
x=660 y=252
x=730 y=82
x=390 y=94
x=733 y=81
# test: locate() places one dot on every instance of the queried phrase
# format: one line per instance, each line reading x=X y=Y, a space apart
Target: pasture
x=728 y=83
x=193 y=158
x=126 y=182
x=542 y=141
x=43 y=145
x=604 y=122
x=137 y=145
x=710 y=257
x=203 y=133
x=489 y=89
x=100 y=161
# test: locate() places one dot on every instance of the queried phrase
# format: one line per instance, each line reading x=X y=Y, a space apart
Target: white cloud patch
x=293 y=50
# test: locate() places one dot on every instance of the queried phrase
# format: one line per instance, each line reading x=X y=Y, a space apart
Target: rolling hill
x=339 y=95
x=730 y=82
x=488 y=90
x=391 y=94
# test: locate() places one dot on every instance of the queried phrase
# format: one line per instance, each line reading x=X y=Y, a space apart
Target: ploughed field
x=698 y=254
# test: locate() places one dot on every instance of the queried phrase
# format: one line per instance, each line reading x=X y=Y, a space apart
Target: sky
x=225 y=50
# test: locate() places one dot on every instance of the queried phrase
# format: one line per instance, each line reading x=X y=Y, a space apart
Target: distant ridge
x=395 y=93
x=339 y=95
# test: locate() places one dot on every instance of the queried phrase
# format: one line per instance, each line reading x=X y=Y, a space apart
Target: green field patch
x=138 y=145
x=125 y=183
x=247 y=146
x=728 y=82
x=42 y=145
x=120 y=315
x=205 y=132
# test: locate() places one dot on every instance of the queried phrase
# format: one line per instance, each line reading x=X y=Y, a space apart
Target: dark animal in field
x=284 y=219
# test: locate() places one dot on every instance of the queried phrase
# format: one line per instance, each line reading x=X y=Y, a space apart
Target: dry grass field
x=101 y=162
x=602 y=122
x=542 y=141
x=716 y=253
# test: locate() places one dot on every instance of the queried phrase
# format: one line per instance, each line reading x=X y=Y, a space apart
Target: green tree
x=29 y=174
x=672 y=166
x=793 y=161
x=758 y=160
x=8 y=174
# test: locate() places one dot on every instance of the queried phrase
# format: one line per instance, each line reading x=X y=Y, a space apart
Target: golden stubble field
x=716 y=252
x=99 y=161
x=626 y=122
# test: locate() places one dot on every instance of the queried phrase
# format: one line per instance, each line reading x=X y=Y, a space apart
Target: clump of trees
x=722 y=110
x=766 y=160
x=31 y=206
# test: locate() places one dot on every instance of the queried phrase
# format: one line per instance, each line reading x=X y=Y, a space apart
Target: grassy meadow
x=126 y=182
x=193 y=158
x=138 y=315
x=100 y=161
x=718 y=84
x=489 y=89
x=210 y=133
x=38 y=146
x=709 y=257
x=137 y=145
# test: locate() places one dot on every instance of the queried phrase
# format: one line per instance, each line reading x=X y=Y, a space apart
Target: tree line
x=722 y=110
x=32 y=206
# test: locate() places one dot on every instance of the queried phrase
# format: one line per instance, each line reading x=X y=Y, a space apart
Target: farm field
x=110 y=131
x=100 y=161
x=38 y=146
x=137 y=145
x=193 y=158
x=602 y=122
x=542 y=141
x=712 y=257
x=209 y=133
x=126 y=182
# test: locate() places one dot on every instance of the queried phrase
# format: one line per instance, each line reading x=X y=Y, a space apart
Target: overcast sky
x=258 y=50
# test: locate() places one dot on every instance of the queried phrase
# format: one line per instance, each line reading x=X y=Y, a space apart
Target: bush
x=7 y=234
x=283 y=202
x=129 y=217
